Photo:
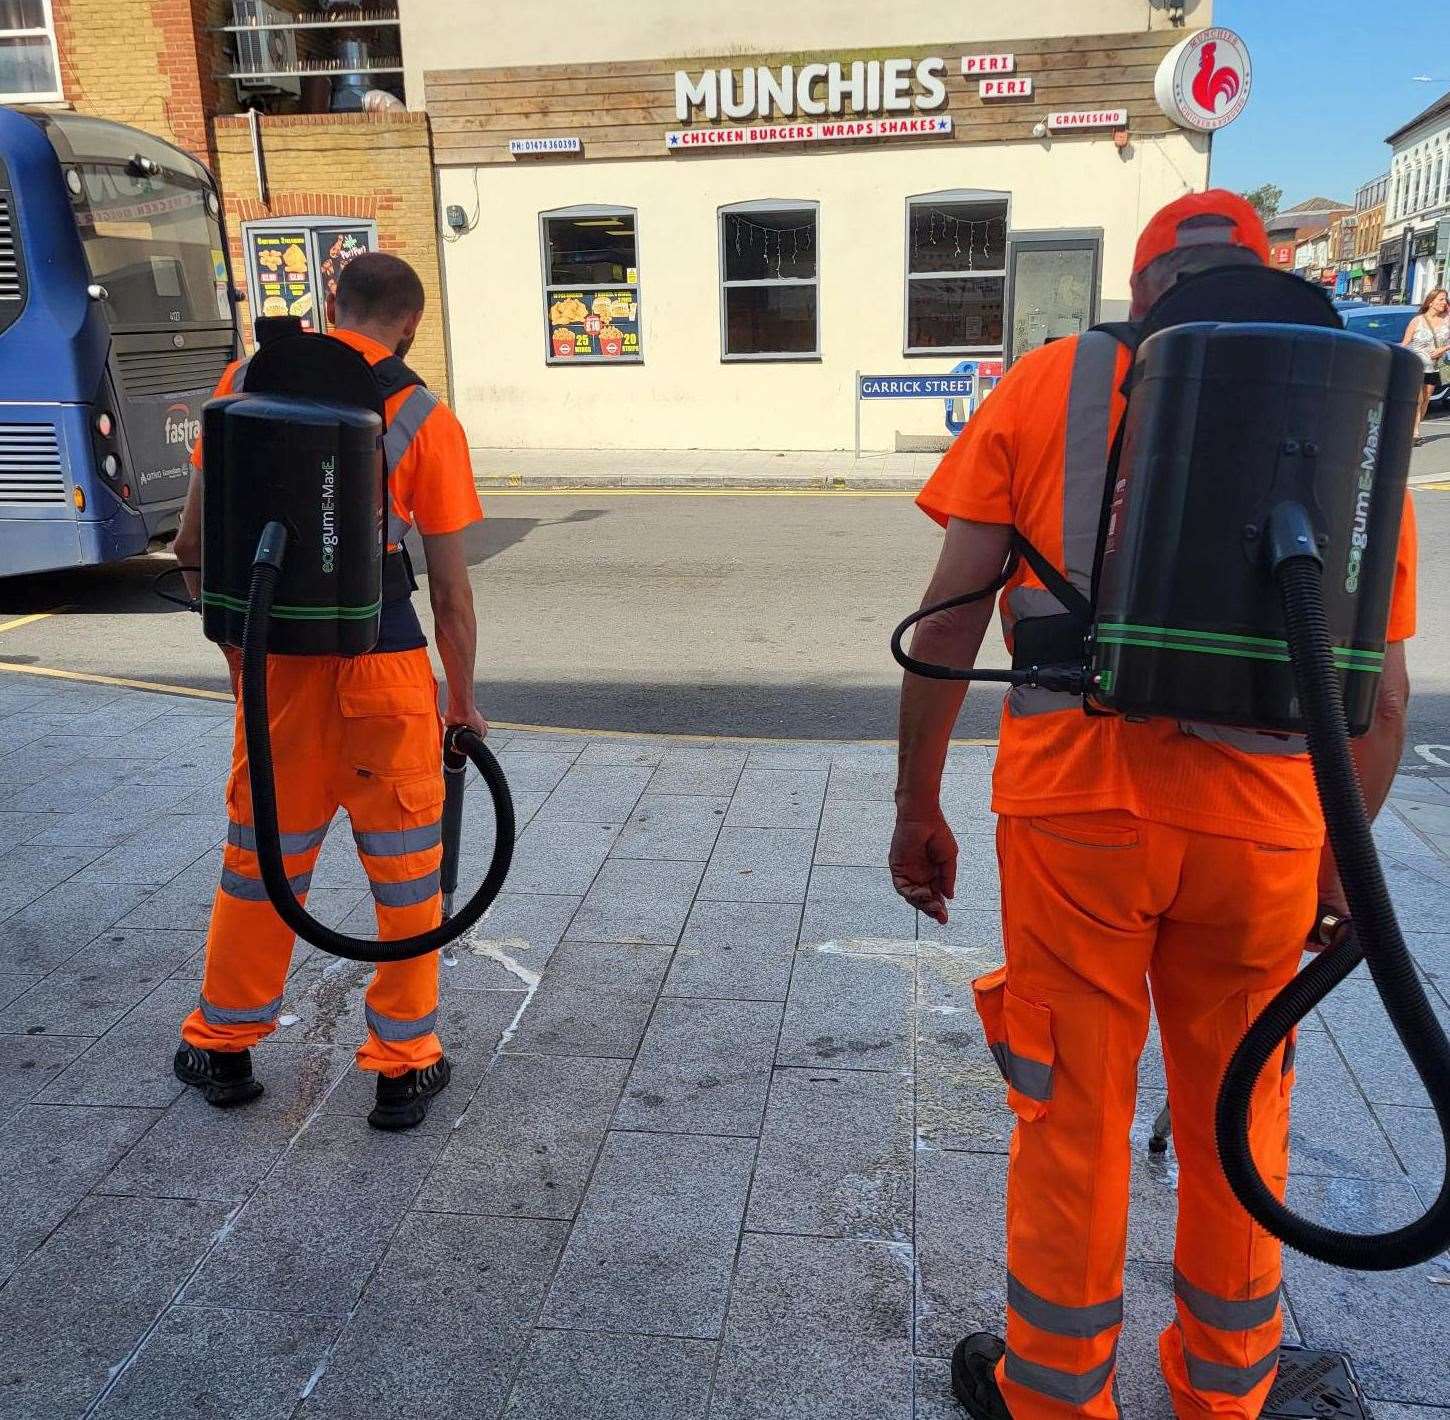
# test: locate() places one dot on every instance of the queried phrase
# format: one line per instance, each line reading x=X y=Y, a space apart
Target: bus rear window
x=154 y=245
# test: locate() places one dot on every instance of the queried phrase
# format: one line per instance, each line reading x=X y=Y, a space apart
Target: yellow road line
x=27 y=620
x=561 y=731
x=513 y=491
x=1437 y=487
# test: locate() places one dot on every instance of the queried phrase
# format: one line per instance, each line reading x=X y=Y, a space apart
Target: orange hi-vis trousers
x=362 y=732
x=1095 y=907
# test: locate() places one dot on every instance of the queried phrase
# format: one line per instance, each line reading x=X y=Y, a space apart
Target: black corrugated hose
x=1375 y=938
x=265 y=571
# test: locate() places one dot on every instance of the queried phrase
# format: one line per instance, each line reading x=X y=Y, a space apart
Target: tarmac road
x=683 y=613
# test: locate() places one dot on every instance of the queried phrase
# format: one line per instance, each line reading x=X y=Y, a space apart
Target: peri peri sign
x=1203 y=82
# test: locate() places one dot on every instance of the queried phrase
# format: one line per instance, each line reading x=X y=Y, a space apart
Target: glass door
x=1053 y=283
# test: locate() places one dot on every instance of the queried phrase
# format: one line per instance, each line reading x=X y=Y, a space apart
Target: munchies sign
x=865 y=86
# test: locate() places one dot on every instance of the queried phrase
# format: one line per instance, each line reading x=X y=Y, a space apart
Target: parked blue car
x=1389 y=323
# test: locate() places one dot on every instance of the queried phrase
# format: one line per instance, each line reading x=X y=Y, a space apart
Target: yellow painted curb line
x=27 y=620
x=499 y=491
x=560 y=731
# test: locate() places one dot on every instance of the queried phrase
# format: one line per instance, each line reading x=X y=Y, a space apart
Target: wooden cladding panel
x=623 y=110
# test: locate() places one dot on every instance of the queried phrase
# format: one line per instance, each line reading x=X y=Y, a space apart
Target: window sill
x=595 y=360
x=969 y=352
x=805 y=356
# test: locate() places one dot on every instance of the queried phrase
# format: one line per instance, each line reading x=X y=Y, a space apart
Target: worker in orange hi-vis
x=362 y=732
x=1133 y=856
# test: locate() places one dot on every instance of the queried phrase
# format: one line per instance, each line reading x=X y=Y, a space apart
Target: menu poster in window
x=336 y=246
x=594 y=323
x=284 y=277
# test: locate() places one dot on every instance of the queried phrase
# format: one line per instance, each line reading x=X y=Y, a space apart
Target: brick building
x=332 y=163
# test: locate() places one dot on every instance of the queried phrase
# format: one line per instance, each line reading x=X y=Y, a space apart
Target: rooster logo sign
x=1203 y=82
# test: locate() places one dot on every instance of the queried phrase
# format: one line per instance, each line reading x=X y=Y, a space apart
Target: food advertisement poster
x=336 y=246
x=284 y=278
x=601 y=324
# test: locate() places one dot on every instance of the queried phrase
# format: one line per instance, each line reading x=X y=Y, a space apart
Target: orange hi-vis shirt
x=1007 y=467
x=432 y=485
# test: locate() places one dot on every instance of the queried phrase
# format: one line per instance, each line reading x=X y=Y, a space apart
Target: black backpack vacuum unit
x=1246 y=559
x=295 y=502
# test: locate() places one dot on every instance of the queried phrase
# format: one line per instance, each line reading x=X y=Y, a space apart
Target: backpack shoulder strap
x=393 y=375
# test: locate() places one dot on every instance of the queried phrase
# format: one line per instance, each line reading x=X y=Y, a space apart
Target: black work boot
x=224 y=1077
x=403 y=1099
x=974 y=1380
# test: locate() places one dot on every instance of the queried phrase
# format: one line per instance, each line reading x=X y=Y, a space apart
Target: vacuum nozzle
x=271 y=546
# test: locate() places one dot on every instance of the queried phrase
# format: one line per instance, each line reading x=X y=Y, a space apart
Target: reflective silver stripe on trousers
x=1081 y=1322
x=1228 y=1380
x=239 y=1015
x=254 y=890
x=1070 y=1387
x=1223 y=1313
x=241 y=835
x=393 y=843
x=1291 y=1048
x=402 y=430
x=1084 y=467
x=390 y=1028
x=408 y=894
x=1028 y=1077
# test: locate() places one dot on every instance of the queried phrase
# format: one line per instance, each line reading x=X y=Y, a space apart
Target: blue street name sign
x=917 y=386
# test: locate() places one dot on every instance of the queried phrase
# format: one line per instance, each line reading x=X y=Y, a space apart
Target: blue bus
x=117 y=317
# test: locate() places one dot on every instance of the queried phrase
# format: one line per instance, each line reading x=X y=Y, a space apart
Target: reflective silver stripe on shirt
x=244 y=836
x=402 y=430
x=1246 y=741
x=251 y=889
x=239 y=379
x=1070 y=1387
x=1223 y=1313
x=1228 y=1380
x=1085 y=452
x=408 y=894
x=1028 y=1077
x=239 y=1015
x=393 y=1029
x=393 y=843
x=1060 y=1320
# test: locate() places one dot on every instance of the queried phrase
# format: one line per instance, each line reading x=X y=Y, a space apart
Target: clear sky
x=1331 y=79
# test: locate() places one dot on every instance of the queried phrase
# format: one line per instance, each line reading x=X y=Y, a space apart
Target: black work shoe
x=974 y=1380
x=224 y=1077
x=403 y=1099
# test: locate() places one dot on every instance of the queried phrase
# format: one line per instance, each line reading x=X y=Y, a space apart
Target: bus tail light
x=110 y=465
x=105 y=425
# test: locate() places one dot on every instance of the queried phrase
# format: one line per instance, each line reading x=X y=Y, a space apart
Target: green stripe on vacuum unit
x=1217 y=643
x=298 y=613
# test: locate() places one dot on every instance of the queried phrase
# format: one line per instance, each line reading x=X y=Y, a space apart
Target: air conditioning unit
x=264 y=51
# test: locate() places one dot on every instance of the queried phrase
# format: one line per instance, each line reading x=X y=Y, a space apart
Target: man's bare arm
x=454 y=625
x=923 y=850
x=187 y=544
x=1376 y=758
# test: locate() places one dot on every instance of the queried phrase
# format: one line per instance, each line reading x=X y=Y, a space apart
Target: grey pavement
x=723 y=1139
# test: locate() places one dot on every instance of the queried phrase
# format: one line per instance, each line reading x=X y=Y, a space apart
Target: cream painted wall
x=683 y=396
x=476 y=34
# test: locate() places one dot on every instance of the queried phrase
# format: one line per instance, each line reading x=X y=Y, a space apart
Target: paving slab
x=759 y=865
x=673 y=826
x=836 y=1156
x=849 y=1010
x=849 y=902
x=593 y=999
x=1357 y=1020
x=197 y=1151
x=310 y=1236
x=777 y=798
x=702 y=1068
x=792 y=1379
x=736 y=949
x=32 y=870
x=209 y=1363
x=637 y=901
x=698 y=770
x=445 y=1320
x=653 y=1248
x=1333 y=1130
x=856 y=833
x=528 y=1140
x=561 y=858
x=66 y=1323
x=520 y=928
x=54 y=1155
x=612 y=1378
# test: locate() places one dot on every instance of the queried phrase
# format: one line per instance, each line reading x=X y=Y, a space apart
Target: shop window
x=769 y=279
x=591 y=285
x=293 y=263
x=29 y=68
x=956 y=272
x=1052 y=287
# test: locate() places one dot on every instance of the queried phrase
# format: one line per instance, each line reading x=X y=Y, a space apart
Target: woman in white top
x=1428 y=335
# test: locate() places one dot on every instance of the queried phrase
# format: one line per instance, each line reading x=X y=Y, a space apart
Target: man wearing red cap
x=1131 y=854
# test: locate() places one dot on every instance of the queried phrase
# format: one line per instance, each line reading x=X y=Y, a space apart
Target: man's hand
x=923 y=861
x=466 y=716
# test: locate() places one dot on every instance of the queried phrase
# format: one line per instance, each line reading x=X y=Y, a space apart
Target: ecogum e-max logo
x=1363 y=495
x=329 y=514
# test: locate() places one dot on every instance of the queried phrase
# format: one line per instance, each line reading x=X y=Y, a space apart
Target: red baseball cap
x=1238 y=225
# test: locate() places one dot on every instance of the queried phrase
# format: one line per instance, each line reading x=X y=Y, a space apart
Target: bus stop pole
x=856 y=401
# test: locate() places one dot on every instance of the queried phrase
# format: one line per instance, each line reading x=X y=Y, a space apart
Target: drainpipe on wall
x=259 y=163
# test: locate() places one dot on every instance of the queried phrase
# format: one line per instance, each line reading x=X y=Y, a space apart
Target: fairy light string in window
x=981 y=235
x=771 y=242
